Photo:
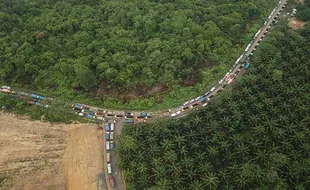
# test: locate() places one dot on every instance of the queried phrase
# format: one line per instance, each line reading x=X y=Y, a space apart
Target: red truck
x=111 y=179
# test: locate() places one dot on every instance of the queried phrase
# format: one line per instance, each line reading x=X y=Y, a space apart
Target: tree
x=86 y=79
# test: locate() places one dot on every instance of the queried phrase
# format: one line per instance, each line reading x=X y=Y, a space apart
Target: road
x=184 y=110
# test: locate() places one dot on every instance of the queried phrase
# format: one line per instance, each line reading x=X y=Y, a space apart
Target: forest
x=254 y=136
x=107 y=48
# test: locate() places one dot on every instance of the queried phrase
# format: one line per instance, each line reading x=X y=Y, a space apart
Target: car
x=173 y=114
x=178 y=112
x=212 y=89
x=207 y=93
x=197 y=98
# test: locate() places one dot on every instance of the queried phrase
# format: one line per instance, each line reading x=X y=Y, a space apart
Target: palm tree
x=210 y=180
x=196 y=185
x=170 y=156
x=142 y=168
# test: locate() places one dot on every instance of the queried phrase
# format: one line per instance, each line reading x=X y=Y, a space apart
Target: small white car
x=212 y=89
x=178 y=112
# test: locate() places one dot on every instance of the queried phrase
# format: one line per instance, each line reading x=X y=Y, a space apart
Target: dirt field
x=38 y=155
x=295 y=24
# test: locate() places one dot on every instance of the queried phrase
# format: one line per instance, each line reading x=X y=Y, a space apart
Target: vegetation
x=254 y=137
x=57 y=112
x=96 y=49
x=303 y=11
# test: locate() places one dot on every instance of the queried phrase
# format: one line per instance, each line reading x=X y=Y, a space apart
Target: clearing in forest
x=38 y=155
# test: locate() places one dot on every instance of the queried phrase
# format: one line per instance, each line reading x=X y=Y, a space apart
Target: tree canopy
x=52 y=44
x=255 y=136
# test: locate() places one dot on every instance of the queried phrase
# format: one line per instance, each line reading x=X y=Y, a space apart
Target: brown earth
x=295 y=24
x=38 y=155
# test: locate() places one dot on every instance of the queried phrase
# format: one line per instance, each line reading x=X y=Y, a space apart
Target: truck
x=143 y=114
x=246 y=65
x=111 y=136
x=77 y=106
x=109 y=169
x=108 y=157
x=203 y=99
x=112 y=127
x=107 y=136
x=108 y=145
x=107 y=127
x=111 y=145
x=111 y=180
x=34 y=96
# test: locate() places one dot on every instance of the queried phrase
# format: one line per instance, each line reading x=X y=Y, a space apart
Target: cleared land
x=296 y=24
x=38 y=155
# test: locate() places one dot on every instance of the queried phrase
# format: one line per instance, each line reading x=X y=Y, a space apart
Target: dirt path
x=38 y=155
x=83 y=158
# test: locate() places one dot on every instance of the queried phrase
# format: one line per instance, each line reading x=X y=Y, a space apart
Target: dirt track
x=38 y=155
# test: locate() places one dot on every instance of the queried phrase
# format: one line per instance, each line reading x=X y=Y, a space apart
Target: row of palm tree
x=255 y=137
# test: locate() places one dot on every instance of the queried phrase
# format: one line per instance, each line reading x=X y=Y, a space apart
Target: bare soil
x=295 y=24
x=38 y=155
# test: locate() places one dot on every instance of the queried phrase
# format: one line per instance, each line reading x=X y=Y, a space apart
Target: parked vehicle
x=112 y=127
x=108 y=145
x=128 y=121
x=128 y=114
x=108 y=157
x=34 y=96
x=173 y=115
x=99 y=112
x=111 y=145
x=77 y=106
x=90 y=116
x=119 y=115
x=143 y=114
x=111 y=180
x=246 y=65
x=107 y=127
x=203 y=99
x=109 y=169
x=111 y=136
x=5 y=90
x=212 y=89
x=107 y=136
x=30 y=102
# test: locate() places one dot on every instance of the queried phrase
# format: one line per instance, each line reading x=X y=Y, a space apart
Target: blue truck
x=246 y=65
x=203 y=99
x=107 y=127
x=107 y=136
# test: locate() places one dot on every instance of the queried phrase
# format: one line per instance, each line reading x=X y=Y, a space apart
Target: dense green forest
x=108 y=48
x=255 y=136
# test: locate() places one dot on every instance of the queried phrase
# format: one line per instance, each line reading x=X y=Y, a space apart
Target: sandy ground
x=38 y=155
x=295 y=24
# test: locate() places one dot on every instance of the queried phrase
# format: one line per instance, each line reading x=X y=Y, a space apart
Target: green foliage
x=303 y=11
x=112 y=46
x=57 y=111
x=254 y=137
